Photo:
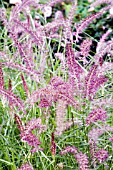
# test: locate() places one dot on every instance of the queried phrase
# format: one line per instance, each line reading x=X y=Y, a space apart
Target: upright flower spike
x=21 y=7
x=61 y=123
x=82 y=160
x=84 y=50
x=100 y=81
x=90 y=79
x=102 y=40
x=95 y=115
x=103 y=48
x=93 y=148
x=93 y=81
x=72 y=11
x=25 y=85
x=53 y=145
x=83 y=25
x=74 y=67
x=32 y=140
x=36 y=36
x=26 y=134
x=99 y=2
x=107 y=48
x=10 y=85
x=60 y=117
x=32 y=73
x=68 y=34
x=3 y=16
x=21 y=50
x=19 y=123
x=14 y=100
x=10 y=89
x=27 y=46
x=85 y=47
x=1 y=77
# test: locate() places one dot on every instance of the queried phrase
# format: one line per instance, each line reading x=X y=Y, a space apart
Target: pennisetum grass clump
x=55 y=92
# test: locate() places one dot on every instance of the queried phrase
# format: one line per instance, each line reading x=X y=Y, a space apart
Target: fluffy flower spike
x=95 y=115
x=82 y=160
x=101 y=155
x=26 y=166
x=26 y=134
x=69 y=149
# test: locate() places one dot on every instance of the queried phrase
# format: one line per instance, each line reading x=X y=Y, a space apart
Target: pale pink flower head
x=26 y=167
x=101 y=155
x=32 y=140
